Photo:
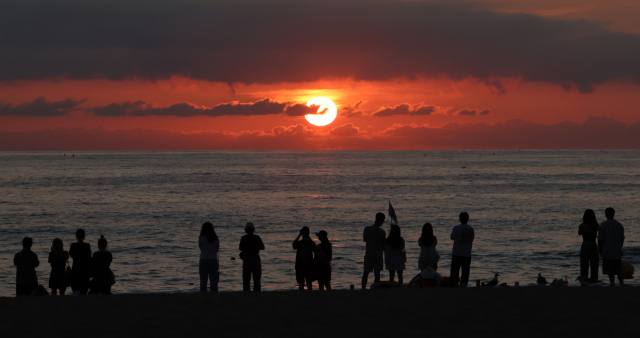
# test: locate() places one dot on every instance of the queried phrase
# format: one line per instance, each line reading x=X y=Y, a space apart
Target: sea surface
x=525 y=207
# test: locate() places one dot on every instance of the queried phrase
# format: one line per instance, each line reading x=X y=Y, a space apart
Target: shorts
x=612 y=266
x=373 y=262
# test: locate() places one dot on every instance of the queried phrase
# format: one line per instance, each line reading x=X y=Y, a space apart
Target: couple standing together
x=462 y=236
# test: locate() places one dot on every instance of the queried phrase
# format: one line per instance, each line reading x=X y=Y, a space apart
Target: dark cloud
x=406 y=109
x=345 y=130
x=40 y=107
x=352 y=111
x=472 y=112
x=265 y=106
x=255 y=41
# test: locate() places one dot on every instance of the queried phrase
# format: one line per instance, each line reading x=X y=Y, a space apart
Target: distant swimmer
x=494 y=281
x=541 y=280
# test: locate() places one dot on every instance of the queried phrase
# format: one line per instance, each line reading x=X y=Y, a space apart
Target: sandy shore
x=482 y=312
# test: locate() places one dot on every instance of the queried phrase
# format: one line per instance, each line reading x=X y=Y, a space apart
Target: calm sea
x=525 y=206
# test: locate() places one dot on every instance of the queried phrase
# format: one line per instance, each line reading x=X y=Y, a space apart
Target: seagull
x=541 y=280
x=494 y=281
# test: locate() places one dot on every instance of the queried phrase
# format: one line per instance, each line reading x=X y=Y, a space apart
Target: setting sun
x=327 y=117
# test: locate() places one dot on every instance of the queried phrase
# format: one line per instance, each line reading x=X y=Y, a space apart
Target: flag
x=392 y=214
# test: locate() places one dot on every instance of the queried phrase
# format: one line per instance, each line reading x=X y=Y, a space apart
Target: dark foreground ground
x=481 y=312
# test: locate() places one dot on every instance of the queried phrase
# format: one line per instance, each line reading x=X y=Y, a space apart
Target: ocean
x=525 y=207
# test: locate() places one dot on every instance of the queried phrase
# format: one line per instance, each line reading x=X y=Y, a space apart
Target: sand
x=434 y=312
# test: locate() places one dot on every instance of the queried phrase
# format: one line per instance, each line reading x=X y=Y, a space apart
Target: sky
x=236 y=75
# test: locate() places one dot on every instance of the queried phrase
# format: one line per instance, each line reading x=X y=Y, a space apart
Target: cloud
x=345 y=130
x=406 y=109
x=472 y=112
x=352 y=111
x=264 y=106
x=595 y=133
x=252 y=41
x=40 y=107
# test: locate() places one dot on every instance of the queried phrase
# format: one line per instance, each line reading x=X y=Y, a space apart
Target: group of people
x=88 y=274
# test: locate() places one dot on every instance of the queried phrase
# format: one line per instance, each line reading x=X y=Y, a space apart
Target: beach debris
x=627 y=270
x=582 y=281
x=517 y=284
x=494 y=281
x=557 y=283
x=190 y=283
x=503 y=284
x=352 y=287
x=233 y=258
x=541 y=280
x=566 y=281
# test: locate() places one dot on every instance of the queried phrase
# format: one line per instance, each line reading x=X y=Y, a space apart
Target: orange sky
x=506 y=78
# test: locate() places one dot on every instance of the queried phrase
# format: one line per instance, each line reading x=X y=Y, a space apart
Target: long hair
x=589 y=217
x=394 y=240
x=80 y=234
x=207 y=230
x=57 y=245
x=427 y=236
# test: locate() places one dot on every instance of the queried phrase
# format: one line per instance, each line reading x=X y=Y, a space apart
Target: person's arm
x=420 y=242
x=601 y=237
x=261 y=244
x=37 y=262
x=453 y=234
x=295 y=242
x=583 y=229
x=49 y=259
x=217 y=244
x=240 y=246
x=15 y=261
x=364 y=234
x=199 y=243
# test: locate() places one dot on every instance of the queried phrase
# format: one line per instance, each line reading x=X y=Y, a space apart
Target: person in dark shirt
x=26 y=262
x=250 y=246
x=589 y=254
x=102 y=275
x=304 y=259
x=81 y=269
x=322 y=261
x=58 y=259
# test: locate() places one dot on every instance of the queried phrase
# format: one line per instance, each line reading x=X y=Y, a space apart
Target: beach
x=432 y=312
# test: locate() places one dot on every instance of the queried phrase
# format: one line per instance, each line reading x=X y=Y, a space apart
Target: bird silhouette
x=494 y=281
x=542 y=280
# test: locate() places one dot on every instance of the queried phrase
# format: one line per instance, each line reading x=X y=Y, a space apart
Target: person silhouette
x=429 y=257
x=322 y=261
x=26 y=262
x=394 y=255
x=589 y=250
x=374 y=236
x=250 y=246
x=58 y=259
x=80 y=252
x=462 y=236
x=610 y=243
x=209 y=268
x=103 y=277
x=304 y=259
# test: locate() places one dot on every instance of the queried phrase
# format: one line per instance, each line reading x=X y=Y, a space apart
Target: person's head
x=305 y=231
x=380 y=218
x=394 y=239
x=102 y=243
x=323 y=236
x=80 y=235
x=57 y=245
x=249 y=228
x=427 y=234
x=589 y=217
x=207 y=230
x=464 y=217
x=27 y=242
x=609 y=212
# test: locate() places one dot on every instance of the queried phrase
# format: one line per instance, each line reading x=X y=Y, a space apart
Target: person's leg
x=376 y=273
x=327 y=284
x=400 y=277
x=612 y=280
x=466 y=269
x=455 y=269
x=246 y=276
x=392 y=275
x=309 y=283
x=365 y=277
x=434 y=266
x=214 y=271
x=584 y=260
x=53 y=291
x=204 y=276
x=594 y=259
x=257 y=274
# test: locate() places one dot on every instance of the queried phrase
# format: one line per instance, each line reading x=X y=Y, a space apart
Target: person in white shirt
x=209 y=268
x=610 y=242
x=462 y=237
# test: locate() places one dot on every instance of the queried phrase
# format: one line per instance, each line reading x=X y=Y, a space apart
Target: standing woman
x=209 y=247
x=322 y=261
x=101 y=265
x=58 y=259
x=589 y=255
x=304 y=259
x=429 y=257
x=395 y=256
x=250 y=246
x=81 y=269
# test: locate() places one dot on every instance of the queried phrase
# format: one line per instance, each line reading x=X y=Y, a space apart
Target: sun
x=322 y=119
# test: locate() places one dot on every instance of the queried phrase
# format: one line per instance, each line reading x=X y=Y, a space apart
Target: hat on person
x=322 y=233
x=249 y=225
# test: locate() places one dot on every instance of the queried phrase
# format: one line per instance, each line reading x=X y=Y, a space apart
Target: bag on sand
x=67 y=276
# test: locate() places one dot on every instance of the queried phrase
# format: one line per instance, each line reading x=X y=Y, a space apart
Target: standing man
x=374 y=236
x=610 y=241
x=462 y=237
x=26 y=262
